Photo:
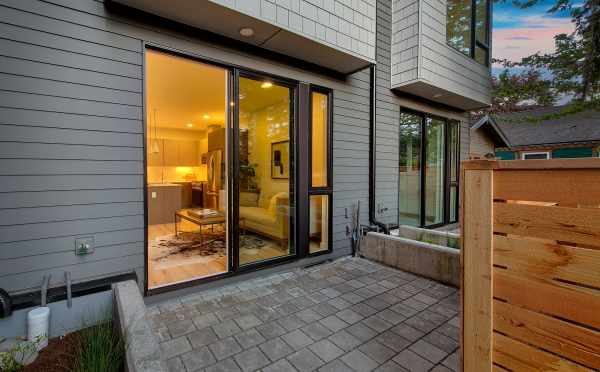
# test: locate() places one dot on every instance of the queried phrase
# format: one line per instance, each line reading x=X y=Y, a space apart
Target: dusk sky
x=518 y=33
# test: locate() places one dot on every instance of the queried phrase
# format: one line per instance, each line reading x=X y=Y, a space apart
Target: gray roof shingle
x=583 y=126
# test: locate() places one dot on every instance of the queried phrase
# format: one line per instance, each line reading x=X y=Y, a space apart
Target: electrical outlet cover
x=84 y=245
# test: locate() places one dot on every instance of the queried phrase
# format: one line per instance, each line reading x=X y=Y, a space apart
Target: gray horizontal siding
x=71 y=143
x=102 y=238
x=388 y=110
x=36 y=199
x=350 y=156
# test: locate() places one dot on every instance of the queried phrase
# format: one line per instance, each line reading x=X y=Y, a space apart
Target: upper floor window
x=467 y=28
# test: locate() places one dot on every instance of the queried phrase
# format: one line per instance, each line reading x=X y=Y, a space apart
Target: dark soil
x=58 y=356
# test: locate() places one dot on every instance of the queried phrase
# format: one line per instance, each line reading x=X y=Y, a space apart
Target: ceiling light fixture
x=206 y=116
x=266 y=84
x=246 y=31
x=189 y=125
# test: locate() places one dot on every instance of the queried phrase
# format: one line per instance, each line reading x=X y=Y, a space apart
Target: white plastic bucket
x=38 y=322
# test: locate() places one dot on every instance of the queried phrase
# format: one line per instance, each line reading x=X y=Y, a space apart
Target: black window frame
x=326 y=190
x=294 y=87
x=474 y=42
x=300 y=153
x=447 y=164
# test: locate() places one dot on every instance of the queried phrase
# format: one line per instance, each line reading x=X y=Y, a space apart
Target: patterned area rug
x=187 y=248
x=170 y=250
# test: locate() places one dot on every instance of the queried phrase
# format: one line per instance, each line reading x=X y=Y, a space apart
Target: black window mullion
x=326 y=190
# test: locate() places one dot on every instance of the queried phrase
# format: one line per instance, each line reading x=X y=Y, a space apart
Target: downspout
x=372 y=150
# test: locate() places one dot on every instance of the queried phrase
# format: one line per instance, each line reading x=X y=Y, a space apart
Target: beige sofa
x=266 y=216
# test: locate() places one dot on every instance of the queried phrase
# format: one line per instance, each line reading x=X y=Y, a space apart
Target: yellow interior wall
x=319 y=139
x=262 y=133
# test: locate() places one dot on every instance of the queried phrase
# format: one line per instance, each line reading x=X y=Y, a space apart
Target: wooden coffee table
x=189 y=215
x=215 y=219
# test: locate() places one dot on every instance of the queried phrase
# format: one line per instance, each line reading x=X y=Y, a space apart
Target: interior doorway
x=187 y=125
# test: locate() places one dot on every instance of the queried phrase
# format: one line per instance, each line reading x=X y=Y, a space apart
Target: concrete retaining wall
x=143 y=352
x=85 y=311
x=439 y=263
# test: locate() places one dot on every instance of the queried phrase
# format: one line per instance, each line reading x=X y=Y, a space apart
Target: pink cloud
x=535 y=35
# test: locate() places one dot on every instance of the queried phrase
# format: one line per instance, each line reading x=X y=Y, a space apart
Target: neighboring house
x=179 y=142
x=540 y=133
x=485 y=136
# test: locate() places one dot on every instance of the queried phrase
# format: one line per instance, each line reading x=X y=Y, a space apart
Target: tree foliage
x=511 y=89
x=574 y=66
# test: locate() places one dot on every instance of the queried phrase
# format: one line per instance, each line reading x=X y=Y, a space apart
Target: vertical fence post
x=476 y=267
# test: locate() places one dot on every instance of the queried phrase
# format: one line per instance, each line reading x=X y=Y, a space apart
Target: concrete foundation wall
x=86 y=310
x=431 y=261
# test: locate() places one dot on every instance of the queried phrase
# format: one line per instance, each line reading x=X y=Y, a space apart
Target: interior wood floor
x=182 y=272
x=158 y=277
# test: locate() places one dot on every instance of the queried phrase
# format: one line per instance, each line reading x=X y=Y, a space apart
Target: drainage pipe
x=45 y=284
x=372 y=150
x=5 y=304
x=68 y=284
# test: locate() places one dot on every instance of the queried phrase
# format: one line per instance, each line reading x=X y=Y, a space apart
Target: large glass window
x=458 y=25
x=467 y=28
x=265 y=170
x=453 y=162
x=186 y=142
x=428 y=170
x=319 y=139
x=320 y=189
x=410 y=170
x=434 y=171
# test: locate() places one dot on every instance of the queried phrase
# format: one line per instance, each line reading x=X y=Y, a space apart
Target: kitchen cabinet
x=216 y=139
x=163 y=201
x=188 y=153
x=181 y=153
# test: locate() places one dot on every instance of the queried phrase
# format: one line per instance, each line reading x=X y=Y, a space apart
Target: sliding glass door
x=428 y=170
x=265 y=166
x=409 y=182
x=434 y=171
x=186 y=172
x=221 y=175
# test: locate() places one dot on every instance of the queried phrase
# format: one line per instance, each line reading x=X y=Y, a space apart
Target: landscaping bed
x=59 y=355
x=99 y=348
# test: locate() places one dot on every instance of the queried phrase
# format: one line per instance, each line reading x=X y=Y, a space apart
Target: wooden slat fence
x=530 y=264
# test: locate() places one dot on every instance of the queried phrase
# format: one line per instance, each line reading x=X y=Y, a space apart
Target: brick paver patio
x=348 y=315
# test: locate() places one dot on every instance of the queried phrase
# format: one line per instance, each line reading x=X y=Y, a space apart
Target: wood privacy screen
x=530 y=265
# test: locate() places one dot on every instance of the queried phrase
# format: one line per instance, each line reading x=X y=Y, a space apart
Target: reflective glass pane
x=265 y=171
x=434 y=171
x=481 y=20
x=409 y=198
x=453 y=148
x=453 y=205
x=186 y=108
x=458 y=25
x=319 y=134
x=481 y=55
x=319 y=223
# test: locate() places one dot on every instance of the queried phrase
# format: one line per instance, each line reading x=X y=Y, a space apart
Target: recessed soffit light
x=189 y=125
x=246 y=31
x=206 y=116
x=266 y=84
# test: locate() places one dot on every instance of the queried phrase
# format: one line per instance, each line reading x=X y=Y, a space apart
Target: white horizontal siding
x=420 y=54
x=345 y=25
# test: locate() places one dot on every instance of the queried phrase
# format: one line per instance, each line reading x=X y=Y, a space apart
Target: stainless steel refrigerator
x=215 y=177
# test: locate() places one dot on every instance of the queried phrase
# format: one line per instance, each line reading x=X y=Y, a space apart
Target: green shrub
x=14 y=359
x=100 y=349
